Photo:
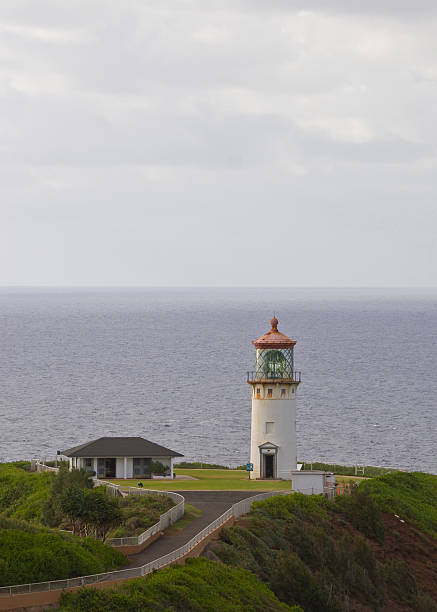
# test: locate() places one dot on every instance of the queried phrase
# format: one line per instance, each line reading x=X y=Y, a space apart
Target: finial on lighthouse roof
x=273 y=339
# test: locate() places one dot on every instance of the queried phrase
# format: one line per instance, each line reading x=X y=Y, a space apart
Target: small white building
x=120 y=457
x=313 y=482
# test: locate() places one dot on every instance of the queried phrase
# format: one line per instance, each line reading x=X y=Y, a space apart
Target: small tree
x=61 y=482
x=101 y=513
x=90 y=511
x=71 y=504
x=158 y=468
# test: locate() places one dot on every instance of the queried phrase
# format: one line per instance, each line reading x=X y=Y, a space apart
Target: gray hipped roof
x=120 y=447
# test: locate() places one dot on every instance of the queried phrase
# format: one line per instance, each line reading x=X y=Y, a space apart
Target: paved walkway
x=212 y=504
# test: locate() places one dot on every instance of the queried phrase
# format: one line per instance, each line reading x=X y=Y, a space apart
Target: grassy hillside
x=411 y=496
x=32 y=554
x=350 y=555
x=199 y=585
x=304 y=551
x=23 y=494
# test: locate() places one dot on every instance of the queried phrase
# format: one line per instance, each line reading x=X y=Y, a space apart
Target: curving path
x=212 y=504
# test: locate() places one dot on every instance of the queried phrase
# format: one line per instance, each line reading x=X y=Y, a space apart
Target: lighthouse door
x=268 y=466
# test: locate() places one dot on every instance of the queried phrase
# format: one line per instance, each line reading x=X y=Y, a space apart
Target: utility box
x=313 y=482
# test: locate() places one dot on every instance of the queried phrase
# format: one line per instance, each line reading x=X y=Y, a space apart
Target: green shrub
x=158 y=468
x=36 y=555
x=198 y=465
x=293 y=583
x=90 y=511
x=23 y=465
x=362 y=511
x=199 y=585
x=62 y=481
x=400 y=580
x=23 y=494
x=412 y=496
x=292 y=506
x=139 y=512
x=290 y=544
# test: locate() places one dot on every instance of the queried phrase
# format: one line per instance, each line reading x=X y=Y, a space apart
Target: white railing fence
x=165 y=520
x=238 y=509
x=111 y=488
x=42 y=467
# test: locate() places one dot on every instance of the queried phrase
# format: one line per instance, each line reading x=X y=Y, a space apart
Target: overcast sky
x=203 y=142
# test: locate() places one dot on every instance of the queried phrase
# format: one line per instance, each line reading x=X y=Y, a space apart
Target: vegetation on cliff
x=34 y=554
x=413 y=497
x=23 y=494
x=139 y=512
x=30 y=502
x=306 y=552
x=355 y=553
x=199 y=585
x=375 y=549
x=68 y=499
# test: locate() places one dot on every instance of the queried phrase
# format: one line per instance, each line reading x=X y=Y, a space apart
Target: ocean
x=170 y=365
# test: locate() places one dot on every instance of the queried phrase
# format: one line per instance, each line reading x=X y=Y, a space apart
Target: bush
x=198 y=585
x=292 y=582
x=413 y=496
x=63 y=480
x=90 y=511
x=23 y=494
x=361 y=510
x=400 y=581
x=292 y=543
x=36 y=555
x=158 y=468
x=296 y=505
x=23 y=465
x=139 y=512
x=196 y=465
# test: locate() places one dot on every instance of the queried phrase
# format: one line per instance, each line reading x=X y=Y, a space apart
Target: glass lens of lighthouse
x=274 y=364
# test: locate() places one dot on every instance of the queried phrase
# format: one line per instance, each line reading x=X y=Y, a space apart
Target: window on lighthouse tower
x=274 y=363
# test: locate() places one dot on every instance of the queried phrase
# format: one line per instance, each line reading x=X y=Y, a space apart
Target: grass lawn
x=207 y=480
x=191 y=514
x=350 y=478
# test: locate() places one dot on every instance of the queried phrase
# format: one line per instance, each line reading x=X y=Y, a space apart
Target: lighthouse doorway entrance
x=269 y=466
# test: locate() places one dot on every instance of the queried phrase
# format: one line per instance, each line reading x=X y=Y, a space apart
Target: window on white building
x=269 y=392
x=270 y=426
x=258 y=392
x=283 y=392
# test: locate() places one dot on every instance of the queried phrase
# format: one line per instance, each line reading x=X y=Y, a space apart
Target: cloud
x=200 y=117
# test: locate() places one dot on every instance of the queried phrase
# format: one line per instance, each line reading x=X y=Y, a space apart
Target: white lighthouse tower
x=274 y=385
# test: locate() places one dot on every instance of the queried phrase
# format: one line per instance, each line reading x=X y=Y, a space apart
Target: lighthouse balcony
x=291 y=376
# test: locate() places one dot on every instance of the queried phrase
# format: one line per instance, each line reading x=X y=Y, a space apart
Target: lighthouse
x=274 y=386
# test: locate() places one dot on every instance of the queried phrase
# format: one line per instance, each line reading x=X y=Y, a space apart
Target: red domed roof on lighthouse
x=274 y=339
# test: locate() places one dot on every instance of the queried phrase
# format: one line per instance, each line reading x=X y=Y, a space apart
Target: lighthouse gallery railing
x=261 y=375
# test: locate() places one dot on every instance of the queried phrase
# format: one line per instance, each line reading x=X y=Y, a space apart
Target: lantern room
x=274 y=357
